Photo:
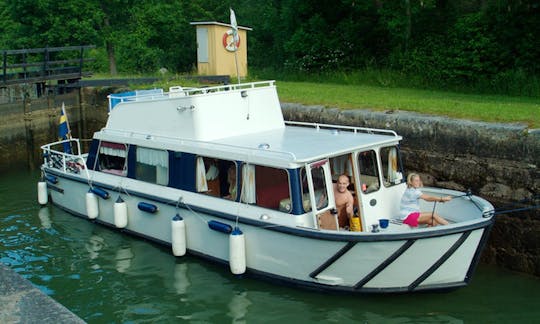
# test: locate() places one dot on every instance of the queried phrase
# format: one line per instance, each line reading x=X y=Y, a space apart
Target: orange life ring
x=228 y=41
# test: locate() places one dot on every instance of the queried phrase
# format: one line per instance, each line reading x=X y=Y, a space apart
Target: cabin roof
x=293 y=145
x=304 y=144
x=236 y=122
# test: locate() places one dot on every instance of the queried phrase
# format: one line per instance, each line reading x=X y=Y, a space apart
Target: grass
x=488 y=108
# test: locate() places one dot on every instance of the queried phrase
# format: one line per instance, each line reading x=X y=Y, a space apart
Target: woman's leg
x=431 y=219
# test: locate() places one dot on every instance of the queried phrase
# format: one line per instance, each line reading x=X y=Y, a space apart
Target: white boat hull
x=391 y=261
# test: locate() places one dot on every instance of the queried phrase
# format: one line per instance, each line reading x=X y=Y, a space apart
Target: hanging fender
x=178 y=235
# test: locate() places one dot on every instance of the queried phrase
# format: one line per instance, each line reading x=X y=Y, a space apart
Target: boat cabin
x=231 y=143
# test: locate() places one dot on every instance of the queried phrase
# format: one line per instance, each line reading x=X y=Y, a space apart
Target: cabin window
x=306 y=202
x=341 y=165
x=319 y=185
x=266 y=187
x=152 y=166
x=216 y=177
x=112 y=158
x=369 y=171
x=391 y=168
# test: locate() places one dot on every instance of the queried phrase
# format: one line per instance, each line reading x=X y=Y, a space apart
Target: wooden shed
x=216 y=49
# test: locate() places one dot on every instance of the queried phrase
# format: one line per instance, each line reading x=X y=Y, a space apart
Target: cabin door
x=321 y=195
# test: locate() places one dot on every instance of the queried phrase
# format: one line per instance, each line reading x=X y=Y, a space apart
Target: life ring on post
x=228 y=41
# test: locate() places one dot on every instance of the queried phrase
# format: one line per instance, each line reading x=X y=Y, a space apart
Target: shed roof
x=198 y=23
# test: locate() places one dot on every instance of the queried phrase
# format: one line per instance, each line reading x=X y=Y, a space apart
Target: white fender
x=178 y=238
x=120 y=213
x=237 y=251
x=92 y=207
x=43 y=197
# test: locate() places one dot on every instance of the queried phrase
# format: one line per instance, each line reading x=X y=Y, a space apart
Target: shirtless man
x=344 y=200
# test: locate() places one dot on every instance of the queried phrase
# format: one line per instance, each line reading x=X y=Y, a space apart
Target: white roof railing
x=178 y=91
x=353 y=129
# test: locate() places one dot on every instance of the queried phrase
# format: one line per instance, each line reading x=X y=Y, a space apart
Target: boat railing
x=262 y=151
x=228 y=87
x=178 y=91
x=353 y=129
x=55 y=156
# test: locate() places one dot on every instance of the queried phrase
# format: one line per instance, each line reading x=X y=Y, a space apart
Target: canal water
x=105 y=276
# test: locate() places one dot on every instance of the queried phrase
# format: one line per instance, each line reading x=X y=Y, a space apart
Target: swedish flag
x=63 y=130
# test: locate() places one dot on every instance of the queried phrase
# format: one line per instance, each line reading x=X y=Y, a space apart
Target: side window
x=391 y=167
x=369 y=171
x=271 y=186
x=341 y=165
x=306 y=204
x=112 y=158
x=216 y=177
x=319 y=186
x=152 y=166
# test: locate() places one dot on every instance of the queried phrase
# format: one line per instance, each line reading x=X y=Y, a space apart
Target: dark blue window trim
x=182 y=170
x=296 y=191
x=92 y=154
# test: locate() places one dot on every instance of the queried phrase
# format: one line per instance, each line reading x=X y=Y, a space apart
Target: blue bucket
x=383 y=222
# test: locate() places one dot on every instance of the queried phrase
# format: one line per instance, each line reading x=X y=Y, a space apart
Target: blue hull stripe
x=332 y=259
x=439 y=262
x=384 y=264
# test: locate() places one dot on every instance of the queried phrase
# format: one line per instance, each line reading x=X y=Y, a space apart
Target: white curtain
x=212 y=172
x=162 y=175
x=202 y=186
x=392 y=165
x=113 y=151
x=248 y=184
x=153 y=157
x=157 y=158
x=341 y=165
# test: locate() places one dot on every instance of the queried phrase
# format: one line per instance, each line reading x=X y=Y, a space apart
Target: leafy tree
x=444 y=43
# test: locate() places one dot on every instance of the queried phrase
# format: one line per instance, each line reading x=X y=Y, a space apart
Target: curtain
x=212 y=172
x=248 y=184
x=153 y=157
x=120 y=152
x=202 y=186
x=393 y=174
x=162 y=175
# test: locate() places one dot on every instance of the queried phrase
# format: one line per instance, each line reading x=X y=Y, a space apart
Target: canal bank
x=23 y=303
x=497 y=162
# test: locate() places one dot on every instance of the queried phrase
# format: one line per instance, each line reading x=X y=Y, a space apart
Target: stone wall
x=28 y=123
x=496 y=161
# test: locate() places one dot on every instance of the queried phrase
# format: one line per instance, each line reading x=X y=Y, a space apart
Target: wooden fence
x=43 y=64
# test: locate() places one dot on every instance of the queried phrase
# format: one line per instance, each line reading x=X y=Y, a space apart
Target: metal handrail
x=353 y=129
x=194 y=91
x=286 y=156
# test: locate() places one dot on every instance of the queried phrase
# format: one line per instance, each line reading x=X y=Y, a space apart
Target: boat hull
x=384 y=262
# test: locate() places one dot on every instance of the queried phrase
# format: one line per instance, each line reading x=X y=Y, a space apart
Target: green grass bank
x=488 y=108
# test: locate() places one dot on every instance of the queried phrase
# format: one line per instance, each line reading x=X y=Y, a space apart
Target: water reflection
x=93 y=246
x=181 y=279
x=123 y=259
x=44 y=217
x=238 y=307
